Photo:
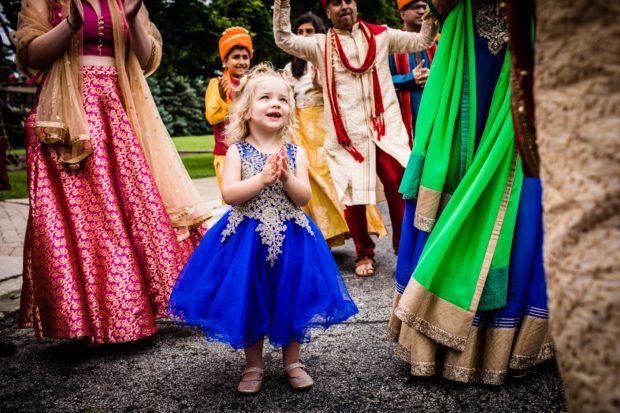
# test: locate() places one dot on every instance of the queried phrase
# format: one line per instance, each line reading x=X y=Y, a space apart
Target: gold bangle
x=74 y=28
x=152 y=57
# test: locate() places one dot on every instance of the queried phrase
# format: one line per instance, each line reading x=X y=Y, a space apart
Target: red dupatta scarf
x=333 y=49
x=402 y=68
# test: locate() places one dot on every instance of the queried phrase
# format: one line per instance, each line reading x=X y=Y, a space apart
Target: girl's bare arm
x=297 y=186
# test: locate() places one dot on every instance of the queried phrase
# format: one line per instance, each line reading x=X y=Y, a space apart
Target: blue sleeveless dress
x=263 y=270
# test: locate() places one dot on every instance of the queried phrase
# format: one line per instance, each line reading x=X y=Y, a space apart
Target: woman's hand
x=46 y=48
x=76 y=14
x=132 y=7
x=141 y=42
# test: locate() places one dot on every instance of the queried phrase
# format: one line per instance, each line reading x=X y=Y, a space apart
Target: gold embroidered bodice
x=490 y=21
x=271 y=206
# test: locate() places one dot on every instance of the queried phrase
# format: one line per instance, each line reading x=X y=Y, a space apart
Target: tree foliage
x=191 y=29
x=182 y=106
x=10 y=8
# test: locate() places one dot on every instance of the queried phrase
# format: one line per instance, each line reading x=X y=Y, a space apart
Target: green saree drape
x=467 y=200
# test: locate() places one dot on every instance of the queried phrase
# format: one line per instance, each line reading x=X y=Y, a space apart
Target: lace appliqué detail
x=491 y=23
x=271 y=206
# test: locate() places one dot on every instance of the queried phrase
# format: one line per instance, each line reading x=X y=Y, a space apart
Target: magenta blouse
x=97 y=34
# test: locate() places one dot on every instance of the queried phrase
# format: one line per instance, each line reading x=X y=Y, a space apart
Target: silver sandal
x=250 y=386
x=302 y=382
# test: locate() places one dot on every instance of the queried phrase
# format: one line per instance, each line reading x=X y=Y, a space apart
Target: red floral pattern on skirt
x=100 y=255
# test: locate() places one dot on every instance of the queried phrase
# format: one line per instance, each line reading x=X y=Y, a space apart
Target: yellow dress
x=324 y=208
x=216 y=110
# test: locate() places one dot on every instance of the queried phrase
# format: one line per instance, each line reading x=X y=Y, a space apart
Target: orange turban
x=403 y=3
x=234 y=36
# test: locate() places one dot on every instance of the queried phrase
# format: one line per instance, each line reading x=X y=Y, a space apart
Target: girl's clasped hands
x=276 y=167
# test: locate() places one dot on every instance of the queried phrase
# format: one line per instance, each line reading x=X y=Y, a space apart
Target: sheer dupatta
x=60 y=103
x=60 y=118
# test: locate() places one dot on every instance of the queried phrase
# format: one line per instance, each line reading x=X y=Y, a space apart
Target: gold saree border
x=445 y=198
x=517 y=348
x=186 y=217
x=423 y=223
x=417 y=368
x=473 y=375
x=497 y=227
x=522 y=362
x=427 y=207
x=534 y=344
x=50 y=132
x=419 y=351
x=394 y=323
x=186 y=220
x=486 y=358
x=434 y=317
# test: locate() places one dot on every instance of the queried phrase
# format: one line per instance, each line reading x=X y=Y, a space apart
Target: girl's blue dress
x=263 y=270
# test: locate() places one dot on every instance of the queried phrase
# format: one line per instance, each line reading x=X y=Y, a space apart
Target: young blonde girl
x=264 y=269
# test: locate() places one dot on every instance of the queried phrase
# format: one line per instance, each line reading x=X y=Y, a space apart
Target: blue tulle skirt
x=237 y=297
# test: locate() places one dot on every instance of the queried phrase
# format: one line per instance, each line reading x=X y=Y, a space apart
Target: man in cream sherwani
x=366 y=137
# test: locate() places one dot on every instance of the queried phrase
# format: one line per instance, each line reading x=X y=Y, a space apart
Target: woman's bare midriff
x=90 y=60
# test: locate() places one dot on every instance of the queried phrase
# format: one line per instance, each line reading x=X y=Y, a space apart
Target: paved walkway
x=13 y=217
x=355 y=368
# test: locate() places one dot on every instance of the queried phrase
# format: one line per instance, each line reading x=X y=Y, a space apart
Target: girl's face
x=270 y=104
x=237 y=62
x=306 y=30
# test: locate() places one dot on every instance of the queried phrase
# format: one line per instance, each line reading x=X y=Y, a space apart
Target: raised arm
x=145 y=39
x=297 y=186
x=444 y=7
x=216 y=108
x=43 y=50
x=407 y=42
x=306 y=48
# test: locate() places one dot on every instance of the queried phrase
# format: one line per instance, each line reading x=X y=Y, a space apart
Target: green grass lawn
x=194 y=143
x=19 y=186
x=17 y=151
x=198 y=166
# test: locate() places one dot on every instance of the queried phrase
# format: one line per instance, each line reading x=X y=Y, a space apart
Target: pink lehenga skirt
x=100 y=255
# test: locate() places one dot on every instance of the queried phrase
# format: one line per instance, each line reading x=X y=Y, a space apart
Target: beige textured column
x=577 y=91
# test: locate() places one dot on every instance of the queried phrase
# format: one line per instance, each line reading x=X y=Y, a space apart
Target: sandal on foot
x=365 y=267
x=301 y=382
x=90 y=344
x=250 y=386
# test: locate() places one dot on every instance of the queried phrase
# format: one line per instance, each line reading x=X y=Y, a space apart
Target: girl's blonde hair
x=239 y=113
